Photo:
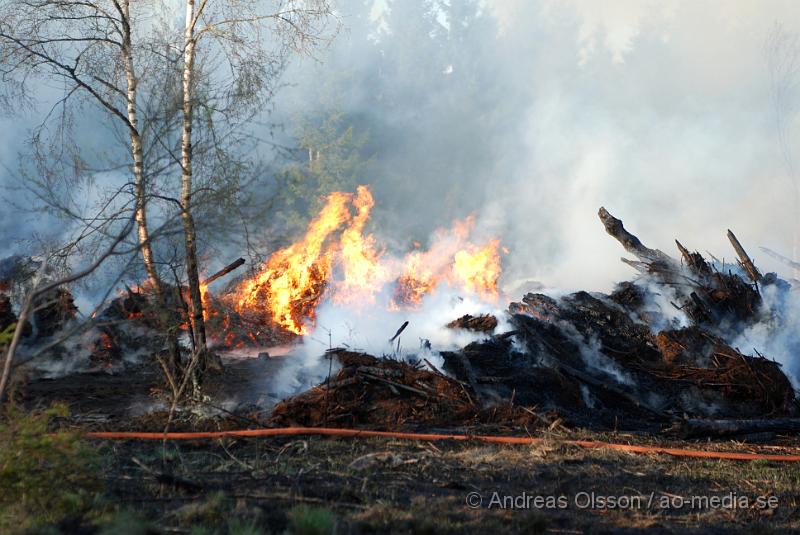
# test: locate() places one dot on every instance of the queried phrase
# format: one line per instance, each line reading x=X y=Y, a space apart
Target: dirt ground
x=390 y=486
x=383 y=486
x=113 y=400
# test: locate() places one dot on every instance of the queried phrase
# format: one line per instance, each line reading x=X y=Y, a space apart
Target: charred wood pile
x=484 y=323
x=653 y=350
x=229 y=329
x=391 y=394
x=132 y=325
x=53 y=311
x=656 y=350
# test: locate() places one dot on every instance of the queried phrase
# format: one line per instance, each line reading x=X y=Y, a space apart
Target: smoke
x=77 y=343
x=370 y=327
x=777 y=335
x=534 y=114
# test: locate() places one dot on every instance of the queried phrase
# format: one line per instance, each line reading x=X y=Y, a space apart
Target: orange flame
x=451 y=258
x=477 y=269
x=363 y=273
x=336 y=255
x=291 y=284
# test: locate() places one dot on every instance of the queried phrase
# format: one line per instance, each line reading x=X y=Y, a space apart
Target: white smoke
x=777 y=335
x=368 y=328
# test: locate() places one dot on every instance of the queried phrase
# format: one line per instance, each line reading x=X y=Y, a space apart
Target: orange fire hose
x=327 y=431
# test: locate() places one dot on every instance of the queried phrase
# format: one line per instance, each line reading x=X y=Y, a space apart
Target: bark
x=694 y=261
x=224 y=271
x=631 y=243
x=143 y=233
x=747 y=264
x=140 y=191
x=190 y=236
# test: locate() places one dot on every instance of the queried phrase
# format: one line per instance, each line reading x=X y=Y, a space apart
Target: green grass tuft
x=306 y=520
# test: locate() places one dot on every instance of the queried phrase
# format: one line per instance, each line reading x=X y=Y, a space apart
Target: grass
x=47 y=475
x=312 y=487
x=310 y=520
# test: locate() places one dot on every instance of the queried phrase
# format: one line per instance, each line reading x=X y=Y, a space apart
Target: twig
x=395 y=384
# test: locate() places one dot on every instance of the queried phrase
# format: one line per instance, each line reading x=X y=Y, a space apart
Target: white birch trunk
x=136 y=151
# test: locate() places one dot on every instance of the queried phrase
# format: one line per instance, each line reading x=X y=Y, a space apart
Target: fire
x=451 y=259
x=205 y=299
x=363 y=273
x=337 y=259
x=477 y=269
x=292 y=281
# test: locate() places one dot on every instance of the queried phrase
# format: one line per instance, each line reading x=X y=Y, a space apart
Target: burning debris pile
x=485 y=323
x=52 y=312
x=338 y=262
x=391 y=394
x=655 y=350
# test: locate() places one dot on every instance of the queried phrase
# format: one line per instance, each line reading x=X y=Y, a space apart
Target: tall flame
x=363 y=273
x=292 y=281
x=478 y=268
x=452 y=259
x=336 y=257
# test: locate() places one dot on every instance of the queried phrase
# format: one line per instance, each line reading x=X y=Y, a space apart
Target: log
x=694 y=261
x=641 y=267
x=484 y=323
x=747 y=264
x=380 y=372
x=684 y=253
x=399 y=332
x=584 y=377
x=631 y=243
x=695 y=427
x=395 y=384
x=224 y=271
x=605 y=385
x=338 y=384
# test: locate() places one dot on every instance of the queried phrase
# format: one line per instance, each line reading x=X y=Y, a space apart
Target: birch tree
x=87 y=46
x=249 y=37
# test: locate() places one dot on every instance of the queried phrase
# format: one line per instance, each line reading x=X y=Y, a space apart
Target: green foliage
x=307 y=520
x=329 y=158
x=7 y=334
x=45 y=475
x=127 y=523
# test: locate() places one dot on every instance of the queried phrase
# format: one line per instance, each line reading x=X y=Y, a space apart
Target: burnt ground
x=382 y=486
x=111 y=400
